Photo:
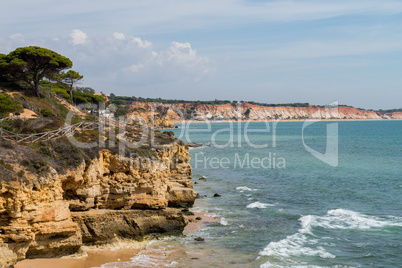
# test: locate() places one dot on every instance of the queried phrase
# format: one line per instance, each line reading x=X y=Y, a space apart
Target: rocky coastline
x=105 y=198
x=180 y=112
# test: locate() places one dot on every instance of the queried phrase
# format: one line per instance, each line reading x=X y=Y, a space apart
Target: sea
x=290 y=194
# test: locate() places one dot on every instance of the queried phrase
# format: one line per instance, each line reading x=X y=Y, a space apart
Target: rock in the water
x=217 y=195
x=202 y=179
x=199 y=239
x=193 y=144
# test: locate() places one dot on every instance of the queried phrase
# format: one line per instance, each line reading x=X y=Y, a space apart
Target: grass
x=32 y=125
x=37 y=165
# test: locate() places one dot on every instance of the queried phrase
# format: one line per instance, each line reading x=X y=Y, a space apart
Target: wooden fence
x=45 y=136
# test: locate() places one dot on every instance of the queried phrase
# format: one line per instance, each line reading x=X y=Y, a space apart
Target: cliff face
x=247 y=111
x=118 y=182
x=159 y=117
x=35 y=220
x=110 y=196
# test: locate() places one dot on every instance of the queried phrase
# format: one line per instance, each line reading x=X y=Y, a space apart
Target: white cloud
x=136 y=67
x=78 y=37
x=179 y=61
x=181 y=52
x=141 y=43
x=117 y=63
x=119 y=36
x=17 y=37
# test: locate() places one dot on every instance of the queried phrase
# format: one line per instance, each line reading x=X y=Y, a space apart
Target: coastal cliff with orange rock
x=55 y=197
x=253 y=112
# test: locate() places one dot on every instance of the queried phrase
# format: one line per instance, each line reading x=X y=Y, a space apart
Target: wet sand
x=195 y=225
x=93 y=259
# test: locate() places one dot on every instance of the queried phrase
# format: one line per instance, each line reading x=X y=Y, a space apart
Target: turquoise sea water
x=282 y=207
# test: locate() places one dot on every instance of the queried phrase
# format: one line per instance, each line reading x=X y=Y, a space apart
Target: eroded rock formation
x=249 y=111
x=111 y=196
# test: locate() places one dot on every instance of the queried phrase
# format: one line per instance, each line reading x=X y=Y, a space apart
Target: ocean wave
x=259 y=205
x=241 y=189
x=306 y=243
x=156 y=254
x=198 y=148
x=223 y=221
x=295 y=245
x=345 y=219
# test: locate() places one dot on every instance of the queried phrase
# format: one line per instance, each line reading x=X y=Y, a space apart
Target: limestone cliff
x=52 y=213
x=249 y=111
x=152 y=115
x=113 y=181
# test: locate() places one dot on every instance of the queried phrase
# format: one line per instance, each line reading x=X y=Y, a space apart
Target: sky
x=272 y=51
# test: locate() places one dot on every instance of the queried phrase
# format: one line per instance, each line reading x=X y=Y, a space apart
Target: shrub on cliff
x=69 y=155
x=8 y=105
x=36 y=165
x=46 y=113
x=31 y=126
x=121 y=111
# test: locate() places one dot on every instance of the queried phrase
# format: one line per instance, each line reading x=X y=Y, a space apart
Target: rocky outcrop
x=117 y=182
x=35 y=220
x=396 y=115
x=107 y=197
x=103 y=226
x=151 y=115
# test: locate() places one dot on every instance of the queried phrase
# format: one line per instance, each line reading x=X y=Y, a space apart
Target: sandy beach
x=91 y=258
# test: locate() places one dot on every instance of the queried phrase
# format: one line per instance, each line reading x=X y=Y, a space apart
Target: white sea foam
x=197 y=148
x=241 y=189
x=345 y=219
x=295 y=245
x=259 y=205
x=223 y=221
x=305 y=243
x=152 y=256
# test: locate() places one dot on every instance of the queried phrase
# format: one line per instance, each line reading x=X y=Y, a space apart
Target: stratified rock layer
x=248 y=111
x=108 y=197
x=103 y=226
x=118 y=182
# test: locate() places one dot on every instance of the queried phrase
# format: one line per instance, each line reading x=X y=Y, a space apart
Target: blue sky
x=255 y=50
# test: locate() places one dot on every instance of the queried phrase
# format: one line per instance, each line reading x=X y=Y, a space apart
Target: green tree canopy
x=86 y=90
x=71 y=78
x=31 y=64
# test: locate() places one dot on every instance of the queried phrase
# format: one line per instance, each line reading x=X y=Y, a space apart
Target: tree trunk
x=71 y=95
x=36 y=89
